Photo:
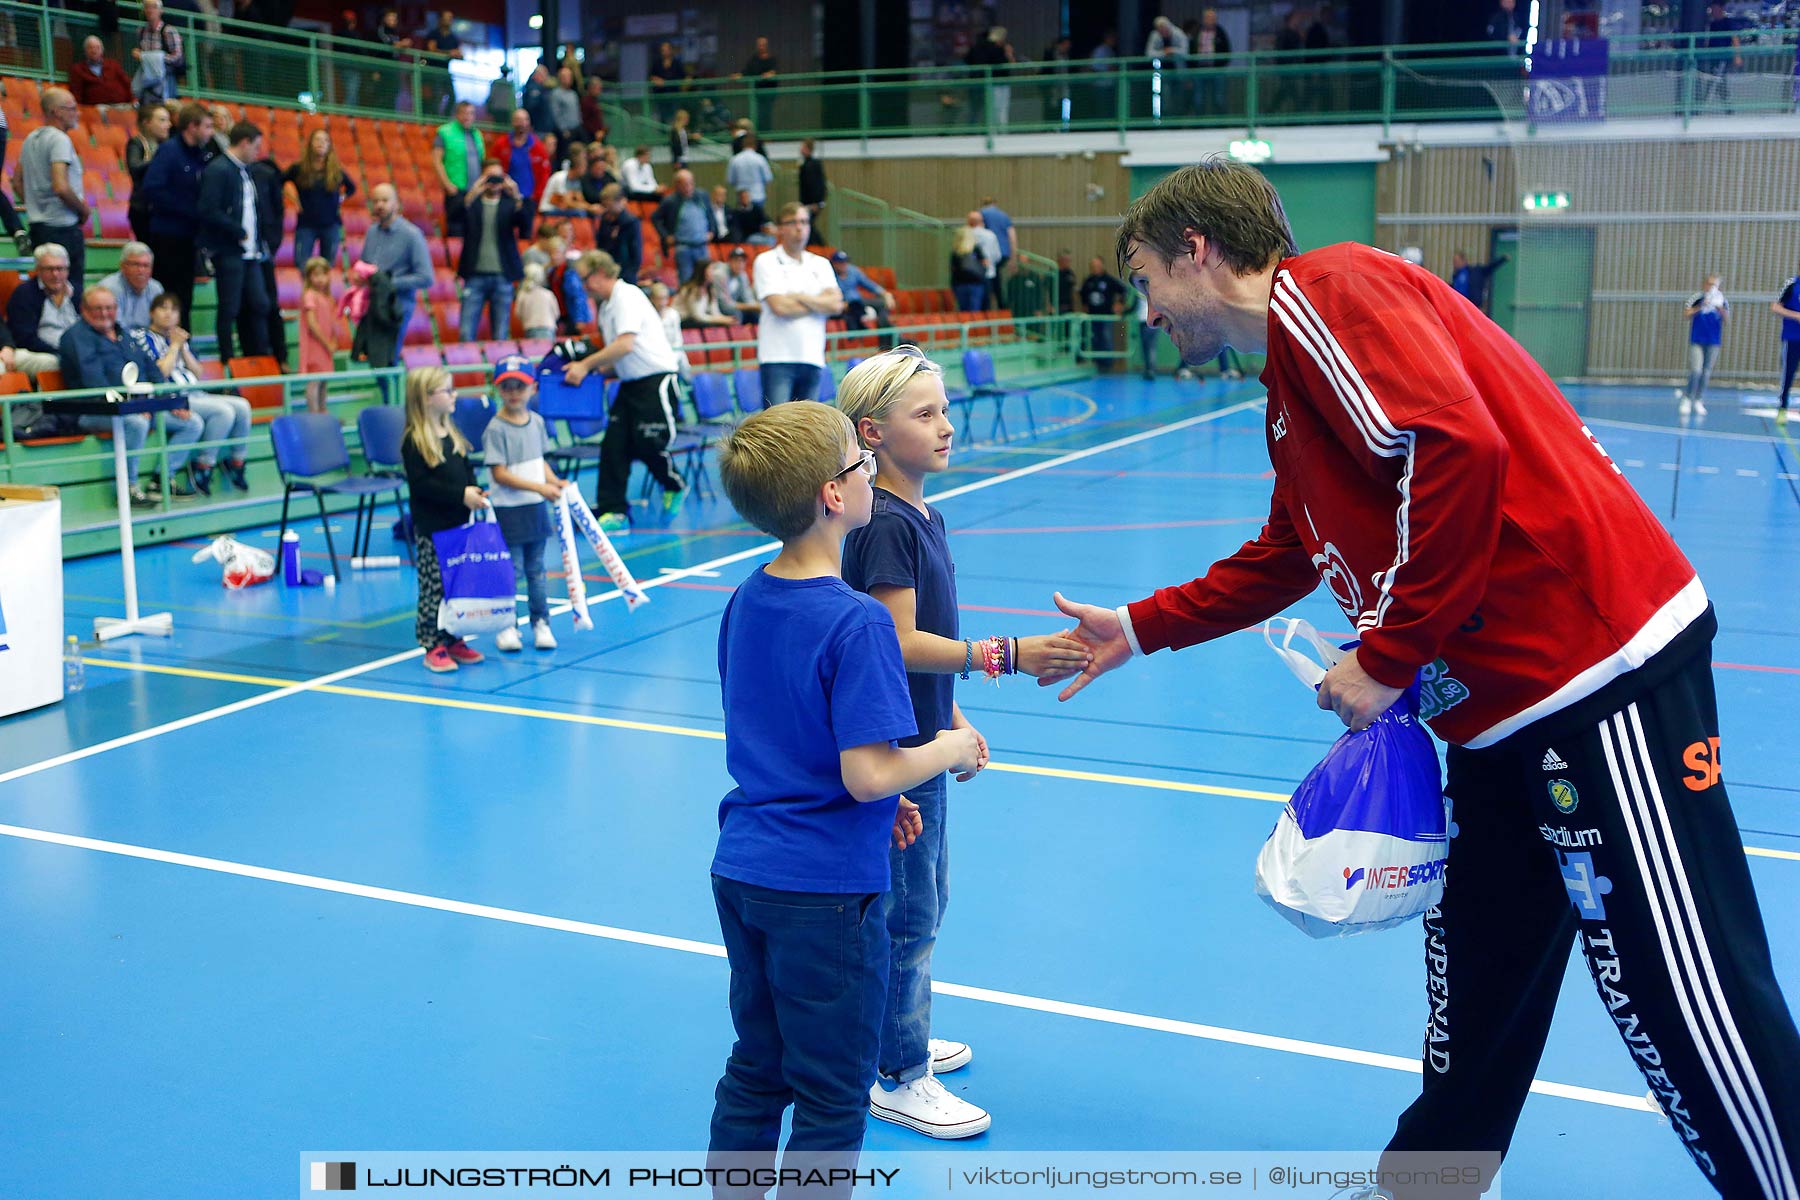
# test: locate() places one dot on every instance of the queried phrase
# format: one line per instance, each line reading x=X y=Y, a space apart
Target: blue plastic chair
x=381 y=428
x=583 y=445
x=978 y=371
x=827 y=385
x=748 y=383
x=309 y=445
x=472 y=416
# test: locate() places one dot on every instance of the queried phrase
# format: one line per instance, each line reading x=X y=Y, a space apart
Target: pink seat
x=463 y=354
x=288 y=287
x=421 y=356
x=493 y=352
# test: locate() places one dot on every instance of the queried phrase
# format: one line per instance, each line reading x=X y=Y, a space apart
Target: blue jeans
x=969 y=296
x=496 y=292
x=808 y=972
x=914 y=908
x=687 y=257
x=782 y=382
x=325 y=240
x=223 y=417
x=177 y=431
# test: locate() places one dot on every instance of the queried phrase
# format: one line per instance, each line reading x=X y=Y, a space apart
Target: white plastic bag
x=1363 y=841
x=245 y=566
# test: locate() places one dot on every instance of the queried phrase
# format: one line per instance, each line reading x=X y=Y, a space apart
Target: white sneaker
x=1699 y=408
x=507 y=639
x=541 y=637
x=924 y=1105
x=949 y=1056
x=1686 y=406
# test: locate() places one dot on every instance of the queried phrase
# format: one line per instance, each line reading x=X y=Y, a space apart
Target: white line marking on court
x=708 y=569
x=1787 y=475
x=1707 y=470
x=1747 y=473
x=511 y=916
x=1634 y=462
x=1670 y=466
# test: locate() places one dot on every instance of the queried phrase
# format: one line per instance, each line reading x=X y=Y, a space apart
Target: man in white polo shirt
x=799 y=293
x=642 y=420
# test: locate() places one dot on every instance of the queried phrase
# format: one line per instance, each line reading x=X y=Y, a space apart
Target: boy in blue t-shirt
x=815 y=700
x=1706 y=311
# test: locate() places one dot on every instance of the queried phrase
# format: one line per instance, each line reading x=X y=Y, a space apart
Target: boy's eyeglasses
x=865 y=462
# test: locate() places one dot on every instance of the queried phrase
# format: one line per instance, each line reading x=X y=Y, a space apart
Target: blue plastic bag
x=1363 y=841
x=477 y=572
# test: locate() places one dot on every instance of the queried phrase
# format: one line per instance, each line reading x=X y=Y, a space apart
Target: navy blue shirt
x=171 y=188
x=1790 y=300
x=903 y=547
x=1706 y=328
x=808 y=668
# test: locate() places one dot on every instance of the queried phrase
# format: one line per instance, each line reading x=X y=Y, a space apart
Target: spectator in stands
x=599 y=174
x=761 y=69
x=502 y=99
x=798 y=294
x=593 y=117
x=97 y=79
x=270 y=182
x=172 y=194
x=1507 y=27
x=221 y=138
x=535 y=99
x=968 y=269
x=640 y=177
x=395 y=245
x=993 y=253
x=456 y=153
x=441 y=39
x=1103 y=92
x=93 y=354
x=681 y=221
x=1059 y=100
x=231 y=233
x=749 y=171
x=696 y=303
x=9 y=216
x=159 y=78
x=552 y=242
x=670 y=316
x=562 y=192
x=620 y=233
x=749 y=222
x=718 y=282
x=321 y=185
x=536 y=306
x=993 y=54
x=813 y=191
x=40 y=310
x=996 y=221
x=389 y=82
x=490 y=266
x=565 y=111
x=153 y=122
x=49 y=179
x=866 y=303
x=1211 y=52
x=718 y=215
x=223 y=417
x=350 y=75
x=742 y=289
x=1102 y=295
x=133 y=287
x=1722 y=56
x=668 y=77
x=1065 y=281
x=678 y=138
x=524 y=158
x=741 y=130
x=1289 y=38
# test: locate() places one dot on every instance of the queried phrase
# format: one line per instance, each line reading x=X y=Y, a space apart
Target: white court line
x=708 y=569
x=1085 y=1012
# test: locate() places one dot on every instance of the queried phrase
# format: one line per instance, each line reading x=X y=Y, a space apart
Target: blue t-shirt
x=1790 y=300
x=903 y=547
x=1706 y=328
x=808 y=668
x=995 y=218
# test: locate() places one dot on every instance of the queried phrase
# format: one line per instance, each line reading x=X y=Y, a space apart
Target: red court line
x=1729 y=666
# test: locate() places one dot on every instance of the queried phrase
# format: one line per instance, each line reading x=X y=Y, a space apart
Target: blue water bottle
x=290 y=558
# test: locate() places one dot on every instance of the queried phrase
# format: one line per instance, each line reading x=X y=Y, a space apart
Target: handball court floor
x=391 y=910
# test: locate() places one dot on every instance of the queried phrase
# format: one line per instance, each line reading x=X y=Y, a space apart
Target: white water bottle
x=74 y=670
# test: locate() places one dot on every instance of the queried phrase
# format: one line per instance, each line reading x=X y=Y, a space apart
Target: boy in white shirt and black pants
x=642 y=420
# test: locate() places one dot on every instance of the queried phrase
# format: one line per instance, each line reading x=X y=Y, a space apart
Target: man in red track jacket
x=1432 y=477
x=527 y=160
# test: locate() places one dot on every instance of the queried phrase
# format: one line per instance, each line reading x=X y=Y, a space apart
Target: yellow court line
x=338 y=689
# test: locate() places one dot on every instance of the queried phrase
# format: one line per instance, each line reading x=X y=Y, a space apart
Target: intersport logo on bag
x=1393 y=878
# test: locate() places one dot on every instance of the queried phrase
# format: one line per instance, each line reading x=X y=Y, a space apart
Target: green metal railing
x=1650 y=75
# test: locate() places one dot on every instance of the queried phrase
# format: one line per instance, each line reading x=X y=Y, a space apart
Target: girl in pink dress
x=318 y=330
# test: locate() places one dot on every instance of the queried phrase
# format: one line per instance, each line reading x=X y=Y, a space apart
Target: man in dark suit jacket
x=620 y=233
x=490 y=269
x=231 y=232
x=266 y=175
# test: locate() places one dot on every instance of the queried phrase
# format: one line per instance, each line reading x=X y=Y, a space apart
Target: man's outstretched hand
x=1104 y=636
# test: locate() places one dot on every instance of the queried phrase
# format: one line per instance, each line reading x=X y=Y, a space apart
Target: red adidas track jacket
x=1434 y=479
